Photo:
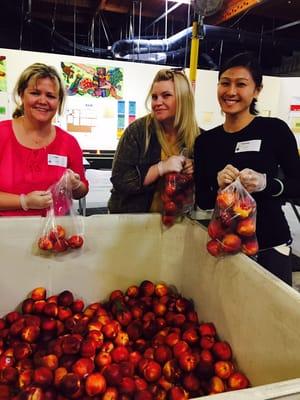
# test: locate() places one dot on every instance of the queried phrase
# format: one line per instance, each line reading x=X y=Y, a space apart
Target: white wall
x=137 y=77
x=137 y=80
x=274 y=99
x=289 y=90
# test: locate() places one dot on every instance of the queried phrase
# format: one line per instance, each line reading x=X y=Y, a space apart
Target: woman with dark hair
x=251 y=148
x=152 y=146
x=33 y=152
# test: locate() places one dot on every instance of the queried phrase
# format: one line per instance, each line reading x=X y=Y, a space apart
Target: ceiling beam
x=102 y=4
x=106 y=5
x=232 y=8
x=79 y=3
x=81 y=19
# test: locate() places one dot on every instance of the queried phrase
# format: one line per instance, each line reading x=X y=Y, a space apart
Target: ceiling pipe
x=135 y=46
x=53 y=23
x=74 y=28
x=196 y=36
x=123 y=47
x=188 y=23
x=140 y=20
x=169 y=58
x=286 y=26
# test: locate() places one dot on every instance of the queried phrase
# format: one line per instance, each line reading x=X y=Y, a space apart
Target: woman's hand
x=172 y=164
x=253 y=181
x=74 y=179
x=188 y=166
x=227 y=175
x=36 y=200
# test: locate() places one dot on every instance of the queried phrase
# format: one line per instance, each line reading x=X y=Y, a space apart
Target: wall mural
x=3 y=74
x=91 y=80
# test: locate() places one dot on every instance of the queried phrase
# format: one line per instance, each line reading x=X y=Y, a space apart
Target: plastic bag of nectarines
x=177 y=196
x=61 y=230
x=233 y=225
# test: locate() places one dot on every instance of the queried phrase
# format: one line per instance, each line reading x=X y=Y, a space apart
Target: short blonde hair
x=185 y=120
x=37 y=71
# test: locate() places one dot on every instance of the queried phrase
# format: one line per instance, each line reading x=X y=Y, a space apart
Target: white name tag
x=59 y=161
x=250 y=145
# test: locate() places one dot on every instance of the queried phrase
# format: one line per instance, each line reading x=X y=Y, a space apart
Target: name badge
x=56 y=160
x=250 y=145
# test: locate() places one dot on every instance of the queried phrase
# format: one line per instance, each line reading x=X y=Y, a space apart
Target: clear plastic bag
x=177 y=197
x=62 y=230
x=232 y=228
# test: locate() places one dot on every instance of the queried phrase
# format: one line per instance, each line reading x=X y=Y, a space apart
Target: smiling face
x=163 y=101
x=40 y=100
x=236 y=91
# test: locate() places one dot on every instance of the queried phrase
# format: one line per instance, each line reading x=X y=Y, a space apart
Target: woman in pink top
x=34 y=153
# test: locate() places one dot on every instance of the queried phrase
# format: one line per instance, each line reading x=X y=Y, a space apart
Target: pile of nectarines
x=177 y=197
x=56 y=240
x=143 y=343
x=233 y=225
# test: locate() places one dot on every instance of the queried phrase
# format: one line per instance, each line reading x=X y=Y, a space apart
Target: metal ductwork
x=157 y=58
x=124 y=48
x=169 y=57
x=171 y=50
x=129 y=49
x=139 y=46
x=174 y=47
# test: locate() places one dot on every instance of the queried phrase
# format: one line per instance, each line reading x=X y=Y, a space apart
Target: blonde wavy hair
x=185 y=120
x=34 y=72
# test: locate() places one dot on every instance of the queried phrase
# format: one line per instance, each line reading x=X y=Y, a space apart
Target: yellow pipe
x=194 y=54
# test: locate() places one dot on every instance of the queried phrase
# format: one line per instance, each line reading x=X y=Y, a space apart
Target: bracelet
x=77 y=186
x=281 y=188
x=23 y=202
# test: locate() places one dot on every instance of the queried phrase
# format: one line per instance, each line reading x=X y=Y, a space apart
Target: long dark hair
x=249 y=61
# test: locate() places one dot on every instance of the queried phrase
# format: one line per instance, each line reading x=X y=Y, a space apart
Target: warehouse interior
x=111 y=29
x=108 y=29
x=124 y=305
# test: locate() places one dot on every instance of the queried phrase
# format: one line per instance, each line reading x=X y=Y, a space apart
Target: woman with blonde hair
x=154 y=145
x=34 y=152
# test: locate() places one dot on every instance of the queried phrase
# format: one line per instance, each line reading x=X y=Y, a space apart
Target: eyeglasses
x=178 y=70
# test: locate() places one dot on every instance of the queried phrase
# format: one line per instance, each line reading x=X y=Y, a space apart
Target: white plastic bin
x=257 y=313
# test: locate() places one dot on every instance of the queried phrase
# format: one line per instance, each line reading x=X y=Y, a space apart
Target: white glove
x=36 y=200
x=227 y=175
x=172 y=164
x=253 y=181
x=74 y=180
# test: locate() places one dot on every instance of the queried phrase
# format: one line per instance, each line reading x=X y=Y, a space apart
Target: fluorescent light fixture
x=180 y=1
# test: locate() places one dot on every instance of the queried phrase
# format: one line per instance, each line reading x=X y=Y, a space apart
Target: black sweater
x=216 y=148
